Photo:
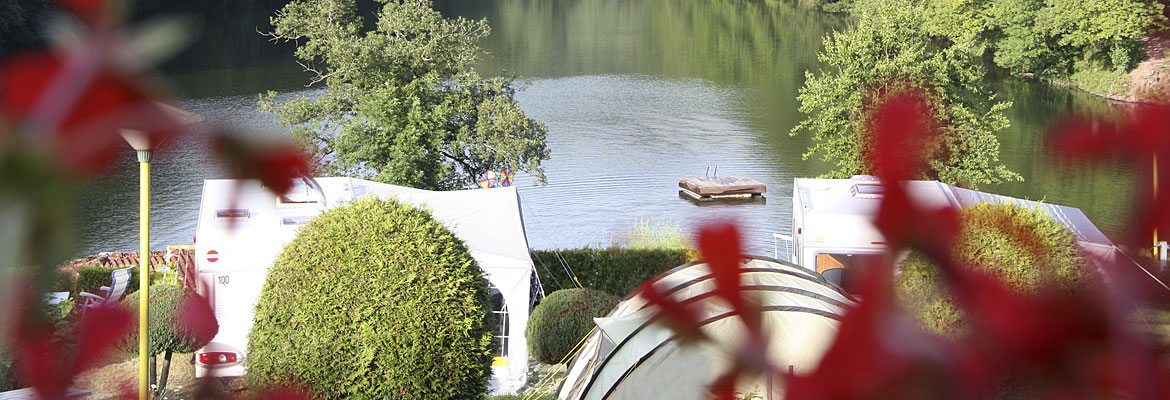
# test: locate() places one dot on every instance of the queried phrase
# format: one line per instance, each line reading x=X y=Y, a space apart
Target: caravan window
x=295 y=198
x=839 y=268
x=500 y=311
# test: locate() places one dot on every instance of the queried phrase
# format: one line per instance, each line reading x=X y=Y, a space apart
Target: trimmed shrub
x=374 y=300
x=1023 y=247
x=616 y=271
x=165 y=328
x=562 y=319
x=61 y=316
x=168 y=332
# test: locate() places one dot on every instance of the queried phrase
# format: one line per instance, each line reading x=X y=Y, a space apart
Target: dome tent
x=630 y=356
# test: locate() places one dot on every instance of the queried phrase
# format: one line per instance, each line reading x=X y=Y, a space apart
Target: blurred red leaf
x=679 y=317
x=724 y=386
x=100 y=329
x=1140 y=137
x=720 y=245
x=77 y=115
x=878 y=353
x=901 y=130
x=48 y=366
x=906 y=223
x=127 y=389
x=90 y=11
x=275 y=164
x=197 y=320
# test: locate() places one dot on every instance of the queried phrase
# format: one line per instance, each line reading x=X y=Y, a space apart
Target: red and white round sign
x=212 y=256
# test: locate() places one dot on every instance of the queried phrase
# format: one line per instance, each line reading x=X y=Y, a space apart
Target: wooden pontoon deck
x=705 y=188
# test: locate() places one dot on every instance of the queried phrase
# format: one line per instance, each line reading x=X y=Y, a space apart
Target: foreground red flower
x=275 y=164
x=49 y=366
x=74 y=108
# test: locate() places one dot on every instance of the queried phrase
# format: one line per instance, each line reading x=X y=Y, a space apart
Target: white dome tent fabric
x=630 y=356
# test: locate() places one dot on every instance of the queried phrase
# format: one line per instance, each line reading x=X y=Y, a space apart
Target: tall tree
x=402 y=103
x=887 y=53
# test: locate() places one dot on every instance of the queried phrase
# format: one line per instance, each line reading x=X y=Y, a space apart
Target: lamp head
x=139 y=140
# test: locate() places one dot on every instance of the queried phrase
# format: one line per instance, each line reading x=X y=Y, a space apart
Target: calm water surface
x=635 y=93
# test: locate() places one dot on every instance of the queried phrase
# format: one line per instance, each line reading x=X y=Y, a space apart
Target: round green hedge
x=990 y=238
x=562 y=319
x=165 y=321
x=374 y=299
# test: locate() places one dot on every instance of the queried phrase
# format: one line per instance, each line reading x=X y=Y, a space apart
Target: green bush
x=374 y=300
x=616 y=271
x=1101 y=80
x=562 y=319
x=7 y=375
x=91 y=278
x=1023 y=247
x=60 y=316
x=164 y=328
x=63 y=281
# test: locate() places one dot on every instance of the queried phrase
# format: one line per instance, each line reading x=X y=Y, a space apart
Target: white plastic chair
x=54 y=298
x=119 y=281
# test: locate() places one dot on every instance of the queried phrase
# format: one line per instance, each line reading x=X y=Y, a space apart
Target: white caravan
x=833 y=230
x=243 y=227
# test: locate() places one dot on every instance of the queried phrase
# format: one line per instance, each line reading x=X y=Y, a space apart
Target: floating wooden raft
x=706 y=188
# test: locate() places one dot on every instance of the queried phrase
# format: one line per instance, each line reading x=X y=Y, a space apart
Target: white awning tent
x=488 y=221
x=630 y=356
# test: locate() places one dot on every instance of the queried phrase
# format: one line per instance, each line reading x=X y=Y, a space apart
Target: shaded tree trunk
x=152 y=365
x=166 y=371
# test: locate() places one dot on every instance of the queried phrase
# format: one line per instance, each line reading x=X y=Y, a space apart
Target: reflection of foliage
x=403 y=104
x=20 y=23
x=996 y=238
x=887 y=53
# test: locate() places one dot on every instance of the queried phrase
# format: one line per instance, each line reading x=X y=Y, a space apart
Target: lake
x=635 y=94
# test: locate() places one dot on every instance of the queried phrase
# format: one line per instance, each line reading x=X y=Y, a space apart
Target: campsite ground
x=112 y=379
x=107 y=382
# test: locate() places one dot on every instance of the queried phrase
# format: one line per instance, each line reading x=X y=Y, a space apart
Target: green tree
x=1097 y=24
x=1020 y=46
x=167 y=330
x=885 y=52
x=961 y=21
x=403 y=104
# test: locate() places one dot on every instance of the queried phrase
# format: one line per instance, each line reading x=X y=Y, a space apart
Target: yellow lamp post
x=141 y=142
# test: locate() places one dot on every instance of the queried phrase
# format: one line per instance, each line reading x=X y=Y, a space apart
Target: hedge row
x=616 y=271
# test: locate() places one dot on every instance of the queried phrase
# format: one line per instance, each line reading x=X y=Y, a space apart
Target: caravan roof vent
x=866 y=187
